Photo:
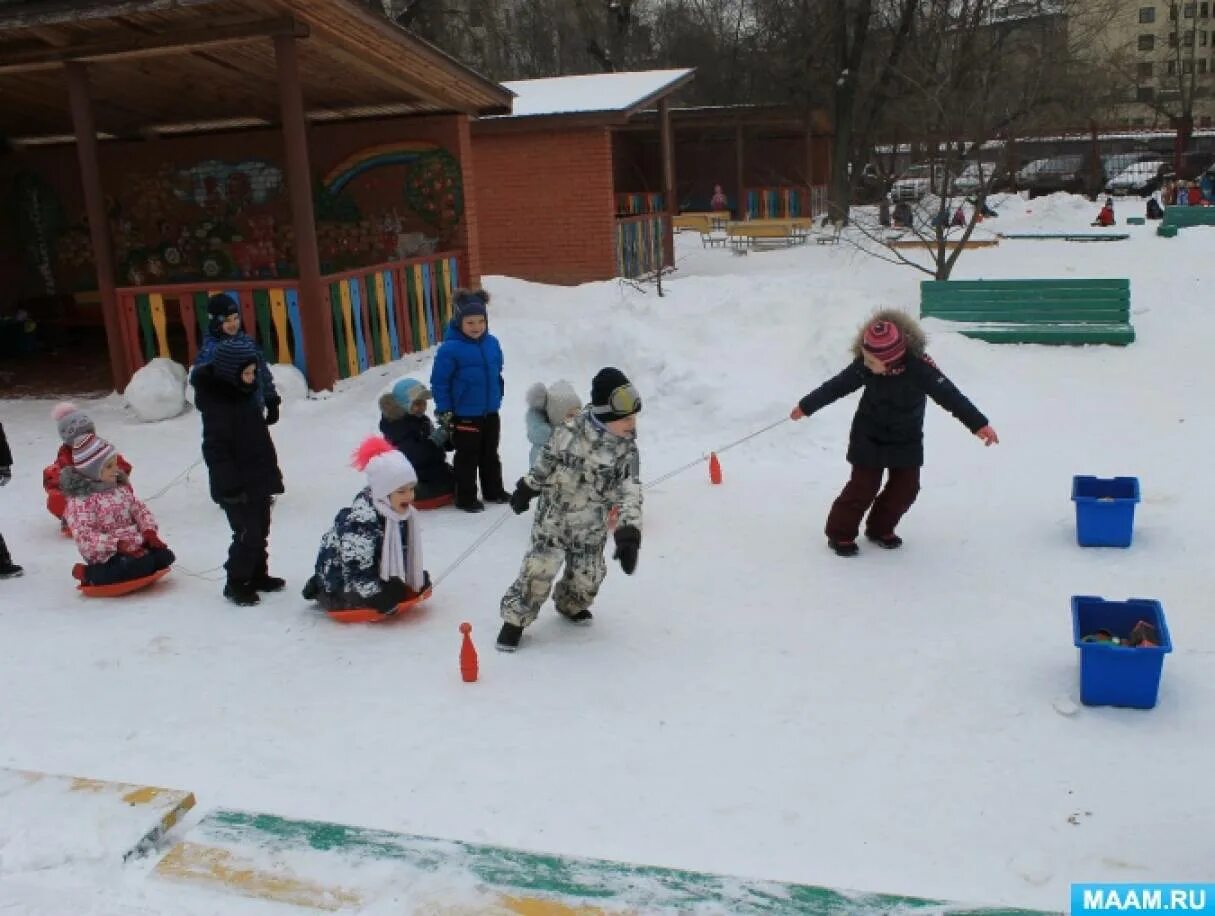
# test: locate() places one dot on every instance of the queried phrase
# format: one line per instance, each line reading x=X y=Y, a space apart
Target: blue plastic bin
x=1105 y=510
x=1113 y=675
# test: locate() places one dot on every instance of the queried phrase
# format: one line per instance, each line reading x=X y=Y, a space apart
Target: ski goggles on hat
x=623 y=400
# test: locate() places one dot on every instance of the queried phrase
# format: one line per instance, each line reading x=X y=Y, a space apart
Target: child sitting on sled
x=116 y=534
x=585 y=469
x=72 y=423
x=1106 y=216
x=372 y=556
x=404 y=423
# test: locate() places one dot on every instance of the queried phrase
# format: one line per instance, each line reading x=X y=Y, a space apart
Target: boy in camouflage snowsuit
x=584 y=470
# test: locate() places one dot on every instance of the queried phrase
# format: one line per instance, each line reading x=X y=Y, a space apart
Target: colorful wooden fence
x=379 y=313
x=384 y=311
x=639 y=244
x=786 y=202
x=151 y=318
x=636 y=203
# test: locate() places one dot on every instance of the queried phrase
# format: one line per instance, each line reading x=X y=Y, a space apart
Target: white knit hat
x=385 y=467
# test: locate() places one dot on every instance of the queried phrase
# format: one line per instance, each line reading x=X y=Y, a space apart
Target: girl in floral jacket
x=113 y=529
x=372 y=556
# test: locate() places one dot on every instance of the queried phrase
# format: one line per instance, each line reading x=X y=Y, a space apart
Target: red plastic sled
x=123 y=588
x=370 y=615
x=435 y=502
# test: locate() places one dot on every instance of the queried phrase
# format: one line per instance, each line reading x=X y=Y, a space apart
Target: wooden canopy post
x=318 y=334
x=741 y=191
x=99 y=224
x=809 y=165
x=668 y=181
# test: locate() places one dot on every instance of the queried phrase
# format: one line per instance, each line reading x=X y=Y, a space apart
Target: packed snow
x=157 y=391
x=746 y=703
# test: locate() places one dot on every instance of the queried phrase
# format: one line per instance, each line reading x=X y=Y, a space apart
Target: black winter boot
x=843 y=548
x=582 y=618
x=312 y=588
x=263 y=582
x=241 y=594
x=9 y=569
x=889 y=541
x=508 y=637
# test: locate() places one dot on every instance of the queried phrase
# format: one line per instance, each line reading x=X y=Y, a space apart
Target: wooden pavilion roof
x=177 y=66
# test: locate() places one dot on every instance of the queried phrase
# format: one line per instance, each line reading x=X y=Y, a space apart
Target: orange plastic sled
x=436 y=502
x=123 y=588
x=370 y=615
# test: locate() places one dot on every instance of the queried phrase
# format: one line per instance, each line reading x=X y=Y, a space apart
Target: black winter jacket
x=236 y=442
x=6 y=456
x=888 y=429
x=411 y=436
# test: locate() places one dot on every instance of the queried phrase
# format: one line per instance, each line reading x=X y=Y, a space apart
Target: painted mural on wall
x=221 y=220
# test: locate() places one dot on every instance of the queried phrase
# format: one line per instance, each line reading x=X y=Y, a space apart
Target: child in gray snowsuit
x=548 y=408
x=582 y=472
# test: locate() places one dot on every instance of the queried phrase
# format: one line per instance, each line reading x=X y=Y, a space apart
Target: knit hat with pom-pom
x=73 y=422
x=385 y=467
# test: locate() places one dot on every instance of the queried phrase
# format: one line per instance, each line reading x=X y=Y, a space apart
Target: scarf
x=394 y=564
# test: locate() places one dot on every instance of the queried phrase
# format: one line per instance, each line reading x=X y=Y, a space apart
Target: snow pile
x=157 y=391
x=290 y=382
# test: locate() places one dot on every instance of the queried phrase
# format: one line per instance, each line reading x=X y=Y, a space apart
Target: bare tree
x=971 y=74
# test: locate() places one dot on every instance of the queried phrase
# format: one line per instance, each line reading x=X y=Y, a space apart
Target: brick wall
x=545 y=210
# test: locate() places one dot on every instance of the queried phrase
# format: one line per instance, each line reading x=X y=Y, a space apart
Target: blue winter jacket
x=267 y=393
x=467 y=375
x=348 y=563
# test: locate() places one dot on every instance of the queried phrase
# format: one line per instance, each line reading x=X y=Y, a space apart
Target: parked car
x=1027 y=172
x=1069 y=173
x=976 y=174
x=919 y=180
x=1141 y=178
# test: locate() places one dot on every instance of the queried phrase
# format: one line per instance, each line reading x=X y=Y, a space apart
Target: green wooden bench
x=1034 y=311
x=1184 y=217
x=1067 y=236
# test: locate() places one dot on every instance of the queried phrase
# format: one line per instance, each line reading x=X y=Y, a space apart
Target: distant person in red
x=1106 y=216
x=719 y=202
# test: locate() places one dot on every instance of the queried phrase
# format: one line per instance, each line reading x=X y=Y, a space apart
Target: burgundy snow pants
x=861 y=493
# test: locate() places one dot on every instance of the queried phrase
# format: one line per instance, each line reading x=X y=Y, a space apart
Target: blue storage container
x=1119 y=675
x=1105 y=510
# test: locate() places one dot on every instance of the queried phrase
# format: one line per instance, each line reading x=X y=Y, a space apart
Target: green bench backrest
x=1189 y=216
x=1097 y=300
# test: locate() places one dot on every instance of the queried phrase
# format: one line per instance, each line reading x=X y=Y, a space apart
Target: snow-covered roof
x=595 y=92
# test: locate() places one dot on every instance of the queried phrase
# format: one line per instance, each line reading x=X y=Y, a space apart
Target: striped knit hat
x=232 y=355
x=89 y=455
x=885 y=341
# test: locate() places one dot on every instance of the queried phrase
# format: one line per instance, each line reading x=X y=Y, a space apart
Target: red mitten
x=131 y=548
x=152 y=540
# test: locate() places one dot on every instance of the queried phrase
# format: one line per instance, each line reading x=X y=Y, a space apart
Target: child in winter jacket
x=242 y=462
x=548 y=408
x=115 y=532
x=888 y=430
x=72 y=423
x=404 y=423
x=8 y=569
x=372 y=556
x=583 y=471
x=467 y=383
x=225 y=325
x=1106 y=216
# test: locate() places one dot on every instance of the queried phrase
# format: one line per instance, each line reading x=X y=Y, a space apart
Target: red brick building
x=550 y=207
x=574 y=186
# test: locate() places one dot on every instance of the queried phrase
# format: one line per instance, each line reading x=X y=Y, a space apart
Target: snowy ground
x=746 y=703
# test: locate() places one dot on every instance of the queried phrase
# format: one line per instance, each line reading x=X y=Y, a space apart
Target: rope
x=172 y=483
x=472 y=548
x=485 y=536
x=725 y=448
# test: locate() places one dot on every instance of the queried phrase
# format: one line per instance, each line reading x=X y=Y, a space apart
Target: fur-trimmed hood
x=537 y=396
x=913 y=334
x=74 y=484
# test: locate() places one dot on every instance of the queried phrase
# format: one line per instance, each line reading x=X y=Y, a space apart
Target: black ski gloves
x=522 y=497
x=628 y=543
